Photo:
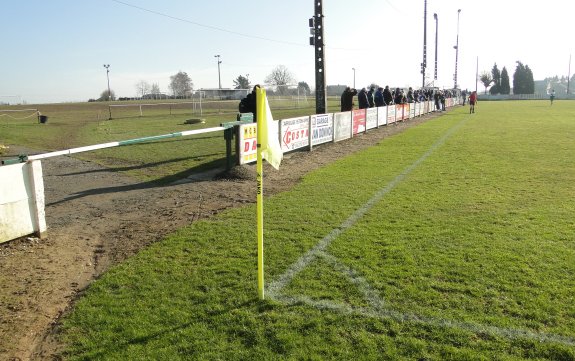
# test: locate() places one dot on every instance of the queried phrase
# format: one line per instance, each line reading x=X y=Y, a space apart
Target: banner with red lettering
x=358 y=121
x=248 y=143
x=391 y=114
x=294 y=133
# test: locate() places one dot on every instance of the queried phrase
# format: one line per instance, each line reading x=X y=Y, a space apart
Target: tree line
x=523 y=82
x=182 y=86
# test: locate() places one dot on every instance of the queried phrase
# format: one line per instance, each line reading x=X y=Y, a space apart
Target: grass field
x=450 y=241
x=82 y=124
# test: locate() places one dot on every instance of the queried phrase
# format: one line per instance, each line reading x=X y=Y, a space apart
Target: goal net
x=18 y=114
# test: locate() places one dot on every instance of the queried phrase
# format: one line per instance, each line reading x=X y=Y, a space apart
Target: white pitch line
x=509 y=333
x=277 y=285
x=378 y=309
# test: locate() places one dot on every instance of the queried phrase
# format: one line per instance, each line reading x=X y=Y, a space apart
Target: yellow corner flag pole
x=261 y=117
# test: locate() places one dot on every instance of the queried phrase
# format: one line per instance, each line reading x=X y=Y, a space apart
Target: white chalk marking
x=377 y=307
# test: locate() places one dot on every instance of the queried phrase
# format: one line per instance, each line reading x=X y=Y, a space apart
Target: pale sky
x=54 y=51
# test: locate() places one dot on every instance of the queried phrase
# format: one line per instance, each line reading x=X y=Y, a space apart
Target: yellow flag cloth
x=269 y=128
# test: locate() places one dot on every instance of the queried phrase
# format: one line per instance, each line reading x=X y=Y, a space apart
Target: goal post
x=19 y=114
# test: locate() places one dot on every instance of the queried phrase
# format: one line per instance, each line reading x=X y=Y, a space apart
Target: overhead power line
x=208 y=26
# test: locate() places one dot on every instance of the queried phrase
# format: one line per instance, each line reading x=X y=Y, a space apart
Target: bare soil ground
x=97 y=218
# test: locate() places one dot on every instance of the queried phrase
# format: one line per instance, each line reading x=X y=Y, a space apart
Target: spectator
x=410 y=97
x=387 y=96
x=436 y=97
x=362 y=99
x=399 y=96
x=248 y=104
x=378 y=98
x=347 y=99
x=370 y=99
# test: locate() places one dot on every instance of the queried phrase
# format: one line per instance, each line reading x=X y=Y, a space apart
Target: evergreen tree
x=523 y=80
x=496 y=76
x=504 y=87
x=242 y=82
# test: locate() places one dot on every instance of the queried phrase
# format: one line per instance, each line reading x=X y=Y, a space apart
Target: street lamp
x=353 y=77
x=219 y=78
x=436 y=32
x=456 y=51
x=107 y=66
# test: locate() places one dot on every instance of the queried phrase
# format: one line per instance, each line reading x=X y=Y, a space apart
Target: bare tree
x=142 y=88
x=280 y=77
x=155 y=91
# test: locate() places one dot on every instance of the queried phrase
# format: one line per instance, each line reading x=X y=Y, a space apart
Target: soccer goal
x=19 y=114
x=153 y=109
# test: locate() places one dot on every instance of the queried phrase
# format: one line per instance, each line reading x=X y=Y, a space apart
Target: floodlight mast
x=456 y=51
x=424 y=62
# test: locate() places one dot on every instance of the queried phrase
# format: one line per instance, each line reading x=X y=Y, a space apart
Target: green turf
x=83 y=124
x=469 y=251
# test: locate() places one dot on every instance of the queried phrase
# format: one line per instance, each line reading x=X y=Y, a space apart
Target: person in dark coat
x=248 y=104
x=378 y=98
x=362 y=99
x=387 y=96
x=399 y=96
x=347 y=99
x=370 y=99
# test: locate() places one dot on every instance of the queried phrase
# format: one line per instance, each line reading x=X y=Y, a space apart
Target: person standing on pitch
x=472 y=101
x=552 y=95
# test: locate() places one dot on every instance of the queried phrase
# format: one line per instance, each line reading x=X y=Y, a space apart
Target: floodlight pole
x=107 y=66
x=456 y=51
x=436 y=32
x=219 y=77
x=353 y=77
x=424 y=62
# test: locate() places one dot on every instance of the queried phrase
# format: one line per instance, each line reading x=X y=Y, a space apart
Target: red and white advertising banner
x=371 y=118
x=381 y=116
x=341 y=126
x=399 y=112
x=248 y=143
x=417 y=109
x=358 y=121
x=391 y=114
x=294 y=133
x=321 y=128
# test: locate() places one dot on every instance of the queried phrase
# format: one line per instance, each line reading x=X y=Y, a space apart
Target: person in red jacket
x=472 y=101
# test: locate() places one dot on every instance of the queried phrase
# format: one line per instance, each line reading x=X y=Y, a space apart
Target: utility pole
x=569 y=76
x=317 y=40
x=219 y=78
x=107 y=66
x=353 y=77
